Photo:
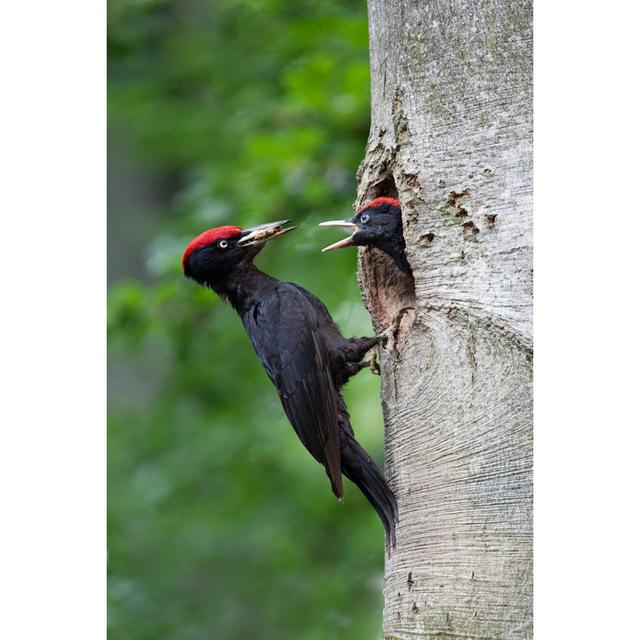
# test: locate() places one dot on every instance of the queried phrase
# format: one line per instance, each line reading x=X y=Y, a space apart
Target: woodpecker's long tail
x=362 y=470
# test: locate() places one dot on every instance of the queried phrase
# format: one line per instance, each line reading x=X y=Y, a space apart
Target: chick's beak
x=262 y=233
x=345 y=224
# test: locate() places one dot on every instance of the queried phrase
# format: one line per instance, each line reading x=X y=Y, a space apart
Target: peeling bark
x=451 y=137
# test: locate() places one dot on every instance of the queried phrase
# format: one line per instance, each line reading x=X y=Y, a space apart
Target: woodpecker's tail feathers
x=362 y=471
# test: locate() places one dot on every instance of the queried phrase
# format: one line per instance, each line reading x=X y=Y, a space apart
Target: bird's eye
x=364 y=218
x=223 y=244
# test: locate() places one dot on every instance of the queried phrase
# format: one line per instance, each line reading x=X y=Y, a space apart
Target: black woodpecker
x=301 y=349
x=377 y=224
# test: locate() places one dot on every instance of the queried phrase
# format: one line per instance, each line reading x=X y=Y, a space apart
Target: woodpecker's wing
x=284 y=330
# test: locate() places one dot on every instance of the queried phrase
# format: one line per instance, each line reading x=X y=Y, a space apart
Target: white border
x=586 y=320
x=52 y=413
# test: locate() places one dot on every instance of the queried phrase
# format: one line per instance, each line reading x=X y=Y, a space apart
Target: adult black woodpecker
x=379 y=224
x=301 y=349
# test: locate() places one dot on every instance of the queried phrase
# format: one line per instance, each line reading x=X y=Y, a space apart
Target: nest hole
x=384 y=187
x=386 y=289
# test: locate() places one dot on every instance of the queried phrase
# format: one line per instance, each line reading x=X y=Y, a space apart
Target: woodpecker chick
x=377 y=224
x=302 y=351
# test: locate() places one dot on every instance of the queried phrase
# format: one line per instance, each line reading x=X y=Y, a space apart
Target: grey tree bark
x=451 y=136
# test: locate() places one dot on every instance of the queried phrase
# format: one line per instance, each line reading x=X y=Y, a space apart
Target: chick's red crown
x=378 y=202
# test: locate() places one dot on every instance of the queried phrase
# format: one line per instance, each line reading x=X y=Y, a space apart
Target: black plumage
x=302 y=351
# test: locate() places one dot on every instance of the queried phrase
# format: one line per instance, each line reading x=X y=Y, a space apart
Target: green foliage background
x=221 y=526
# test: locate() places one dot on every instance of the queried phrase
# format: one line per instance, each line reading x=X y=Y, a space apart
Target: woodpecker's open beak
x=346 y=224
x=262 y=233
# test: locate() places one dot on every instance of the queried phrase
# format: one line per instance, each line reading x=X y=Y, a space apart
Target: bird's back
x=284 y=327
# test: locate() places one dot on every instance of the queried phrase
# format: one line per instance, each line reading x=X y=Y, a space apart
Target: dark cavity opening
x=385 y=187
x=387 y=289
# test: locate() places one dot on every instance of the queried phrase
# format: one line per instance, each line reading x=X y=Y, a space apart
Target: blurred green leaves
x=221 y=526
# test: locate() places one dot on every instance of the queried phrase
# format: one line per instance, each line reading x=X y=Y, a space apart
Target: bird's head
x=214 y=255
x=378 y=224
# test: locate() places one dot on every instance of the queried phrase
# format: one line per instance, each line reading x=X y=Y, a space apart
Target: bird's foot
x=372 y=360
x=389 y=335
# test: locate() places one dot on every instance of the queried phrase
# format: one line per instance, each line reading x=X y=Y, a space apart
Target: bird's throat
x=243 y=286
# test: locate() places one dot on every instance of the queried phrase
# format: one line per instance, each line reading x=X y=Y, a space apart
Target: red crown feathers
x=378 y=202
x=209 y=237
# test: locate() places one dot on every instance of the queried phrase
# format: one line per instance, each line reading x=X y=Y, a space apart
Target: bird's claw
x=388 y=336
x=374 y=367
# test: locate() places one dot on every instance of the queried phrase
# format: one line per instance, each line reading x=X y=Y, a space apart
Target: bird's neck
x=243 y=287
x=400 y=258
x=395 y=248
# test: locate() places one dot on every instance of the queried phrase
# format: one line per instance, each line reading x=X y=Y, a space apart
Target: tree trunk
x=451 y=136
